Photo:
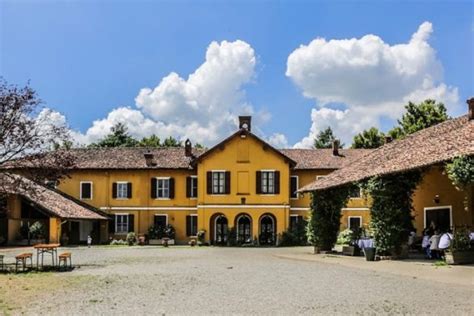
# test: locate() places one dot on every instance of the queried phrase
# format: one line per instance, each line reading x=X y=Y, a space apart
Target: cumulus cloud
x=278 y=140
x=202 y=107
x=371 y=78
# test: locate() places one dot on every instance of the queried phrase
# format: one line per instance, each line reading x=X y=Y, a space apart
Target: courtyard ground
x=208 y=280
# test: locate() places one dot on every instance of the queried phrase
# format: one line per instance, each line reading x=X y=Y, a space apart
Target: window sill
x=163 y=199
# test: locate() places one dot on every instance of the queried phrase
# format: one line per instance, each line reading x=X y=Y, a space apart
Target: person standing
x=434 y=245
x=89 y=241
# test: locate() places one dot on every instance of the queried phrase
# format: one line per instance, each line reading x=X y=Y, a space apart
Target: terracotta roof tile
x=323 y=158
x=429 y=146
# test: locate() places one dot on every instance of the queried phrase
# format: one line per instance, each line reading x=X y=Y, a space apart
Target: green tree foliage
x=325 y=220
x=171 y=142
x=325 y=139
x=371 y=138
x=295 y=236
x=152 y=141
x=118 y=137
x=391 y=219
x=419 y=116
x=461 y=171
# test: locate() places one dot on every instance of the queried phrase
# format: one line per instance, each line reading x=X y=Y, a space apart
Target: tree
x=28 y=140
x=171 y=142
x=118 y=137
x=325 y=139
x=371 y=138
x=419 y=116
x=152 y=141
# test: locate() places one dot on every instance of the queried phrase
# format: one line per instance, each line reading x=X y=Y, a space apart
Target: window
x=320 y=177
x=160 y=221
x=355 y=193
x=294 y=221
x=86 y=190
x=268 y=182
x=163 y=188
x=121 y=223
x=51 y=184
x=122 y=190
x=191 y=187
x=191 y=225
x=218 y=182
x=294 y=187
x=354 y=222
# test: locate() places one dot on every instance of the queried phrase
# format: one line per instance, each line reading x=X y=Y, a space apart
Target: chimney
x=245 y=122
x=188 y=148
x=335 y=147
x=149 y=159
x=470 y=103
x=388 y=139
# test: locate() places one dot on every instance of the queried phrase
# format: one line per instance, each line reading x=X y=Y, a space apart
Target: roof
x=132 y=158
x=248 y=133
x=56 y=203
x=433 y=145
x=323 y=158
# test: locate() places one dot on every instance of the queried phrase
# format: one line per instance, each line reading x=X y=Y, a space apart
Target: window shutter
x=209 y=182
x=112 y=225
x=114 y=190
x=258 y=183
x=188 y=187
x=195 y=188
x=293 y=188
x=153 y=188
x=129 y=190
x=131 y=218
x=227 y=182
x=277 y=182
x=188 y=225
x=171 y=188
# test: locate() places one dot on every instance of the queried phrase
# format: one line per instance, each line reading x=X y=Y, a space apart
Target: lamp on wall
x=436 y=199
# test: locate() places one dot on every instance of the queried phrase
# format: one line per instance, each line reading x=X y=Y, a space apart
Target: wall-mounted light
x=436 y=199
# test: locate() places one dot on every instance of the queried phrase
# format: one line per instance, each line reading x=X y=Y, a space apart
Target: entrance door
x=267 y=230
x=221 y=230
x=441 y=217
x=244 y=230
x=74 y=233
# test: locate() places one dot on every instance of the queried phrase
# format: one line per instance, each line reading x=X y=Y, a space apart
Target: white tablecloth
x=365 y=243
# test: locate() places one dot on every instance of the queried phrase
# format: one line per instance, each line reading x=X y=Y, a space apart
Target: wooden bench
x=21 y=258
x=63 y=258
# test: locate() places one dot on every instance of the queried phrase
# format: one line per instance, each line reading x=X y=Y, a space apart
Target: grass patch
x=440 y=263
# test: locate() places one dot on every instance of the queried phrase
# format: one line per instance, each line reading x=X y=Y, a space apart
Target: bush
x=232 y=237
x=37 y=230
x=345 y=237
x=131 y=239
x=160 y=232
x=294 y=236
x=461 y=240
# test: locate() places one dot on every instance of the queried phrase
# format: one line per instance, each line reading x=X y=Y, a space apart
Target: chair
x=21 y=258
x=64 y=258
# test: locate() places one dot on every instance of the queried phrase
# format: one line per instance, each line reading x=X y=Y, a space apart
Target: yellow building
x=242 y=183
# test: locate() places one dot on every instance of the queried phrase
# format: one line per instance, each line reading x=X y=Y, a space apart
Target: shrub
x=345 y=237
x=131 y=238
x=461 y=240
x=160 y=232
x=294 y=236
x=37 y=230
x=232 y=237
x=118 y=242
x=201 y=236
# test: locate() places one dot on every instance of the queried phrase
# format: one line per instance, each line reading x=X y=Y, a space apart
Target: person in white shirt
x=445 y=240
x=434 y=242
x=425 y=244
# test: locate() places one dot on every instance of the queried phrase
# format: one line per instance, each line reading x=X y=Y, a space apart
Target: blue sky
x=87 y=58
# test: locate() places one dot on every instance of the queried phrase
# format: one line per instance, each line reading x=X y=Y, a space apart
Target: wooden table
x=41 y=249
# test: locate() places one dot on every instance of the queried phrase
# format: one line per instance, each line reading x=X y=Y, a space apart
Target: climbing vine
x=325 y=219
x=461 y=171
x=391 y=211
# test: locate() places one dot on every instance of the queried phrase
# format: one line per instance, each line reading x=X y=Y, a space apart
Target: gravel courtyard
x=183 y=280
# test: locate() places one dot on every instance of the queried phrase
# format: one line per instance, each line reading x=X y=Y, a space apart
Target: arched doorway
x=244 y=228
x=267 y=230
x=221 y=230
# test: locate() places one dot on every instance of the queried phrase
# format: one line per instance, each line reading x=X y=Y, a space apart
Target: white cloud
x=202 y=107
x=278 y=140
x=372 y=78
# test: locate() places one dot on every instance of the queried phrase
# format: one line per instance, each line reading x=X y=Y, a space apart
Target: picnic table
x=41 y=249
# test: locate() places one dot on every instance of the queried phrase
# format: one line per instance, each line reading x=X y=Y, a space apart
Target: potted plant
x=460 y=250
x=350 y=238
x=201 y=235
x=131 y=239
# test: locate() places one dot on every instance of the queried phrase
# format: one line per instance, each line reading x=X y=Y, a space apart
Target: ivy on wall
x=391 y=211
x=325 y=219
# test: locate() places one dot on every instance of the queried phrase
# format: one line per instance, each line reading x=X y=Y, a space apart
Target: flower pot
x=460 y=257
x=369 y=253
x=350 y=251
